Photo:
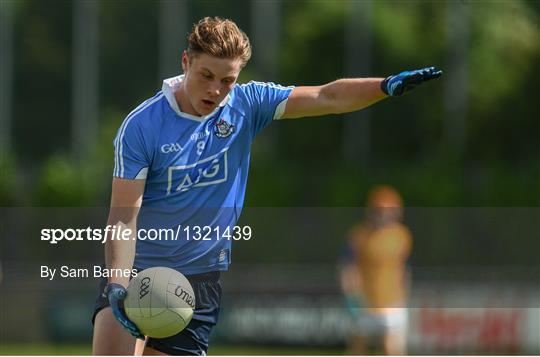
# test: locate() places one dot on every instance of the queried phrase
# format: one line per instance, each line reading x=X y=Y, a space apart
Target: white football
x=160 y=301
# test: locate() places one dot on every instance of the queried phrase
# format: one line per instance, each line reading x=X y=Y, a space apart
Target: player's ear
x=185 y=61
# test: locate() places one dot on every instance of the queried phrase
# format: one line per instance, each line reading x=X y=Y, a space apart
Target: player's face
x=384 y=216
x=207 y=82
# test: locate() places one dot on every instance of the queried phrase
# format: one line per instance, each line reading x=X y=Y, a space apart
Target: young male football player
x=182 y=159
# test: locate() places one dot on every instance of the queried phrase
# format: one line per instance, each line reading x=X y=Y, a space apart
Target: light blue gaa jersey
x=196 y=170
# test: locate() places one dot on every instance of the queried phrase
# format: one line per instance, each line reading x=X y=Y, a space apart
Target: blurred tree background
x=469 y=139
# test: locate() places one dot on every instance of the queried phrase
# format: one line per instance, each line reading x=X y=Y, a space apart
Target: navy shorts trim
x=193 y=340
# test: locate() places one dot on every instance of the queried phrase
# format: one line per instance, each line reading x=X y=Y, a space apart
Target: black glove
x=405 y=81
x=116 y=294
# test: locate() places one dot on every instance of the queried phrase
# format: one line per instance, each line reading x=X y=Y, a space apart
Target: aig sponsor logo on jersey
x=210 y=171
x=172 y=147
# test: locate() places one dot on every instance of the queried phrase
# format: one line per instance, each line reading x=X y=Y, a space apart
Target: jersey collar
x=171 y=85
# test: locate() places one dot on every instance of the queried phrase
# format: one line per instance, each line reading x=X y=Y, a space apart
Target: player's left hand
x=405 y=81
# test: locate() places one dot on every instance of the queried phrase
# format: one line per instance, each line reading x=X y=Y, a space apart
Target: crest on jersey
x=222 y=129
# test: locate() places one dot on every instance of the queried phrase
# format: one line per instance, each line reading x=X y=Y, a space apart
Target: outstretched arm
x=347 y=95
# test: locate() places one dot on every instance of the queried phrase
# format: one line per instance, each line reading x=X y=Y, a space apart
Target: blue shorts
x=193 y=340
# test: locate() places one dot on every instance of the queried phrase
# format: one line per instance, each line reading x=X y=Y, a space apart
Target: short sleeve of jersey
x=131 y=156
x=266 y=100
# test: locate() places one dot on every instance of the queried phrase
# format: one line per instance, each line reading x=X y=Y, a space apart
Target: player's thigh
x=110 y=338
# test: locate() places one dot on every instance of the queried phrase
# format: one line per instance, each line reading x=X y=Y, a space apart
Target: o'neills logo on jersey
x=222 y=129
x=212 y=170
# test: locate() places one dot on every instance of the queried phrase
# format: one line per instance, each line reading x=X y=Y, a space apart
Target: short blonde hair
x=219 y=38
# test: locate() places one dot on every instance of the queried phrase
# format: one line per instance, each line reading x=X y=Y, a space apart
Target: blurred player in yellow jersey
x=376 y=272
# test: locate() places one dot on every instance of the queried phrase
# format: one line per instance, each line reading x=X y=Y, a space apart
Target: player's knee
x=109 y=337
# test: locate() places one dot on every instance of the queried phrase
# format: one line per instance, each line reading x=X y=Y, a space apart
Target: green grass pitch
x=81 y=350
